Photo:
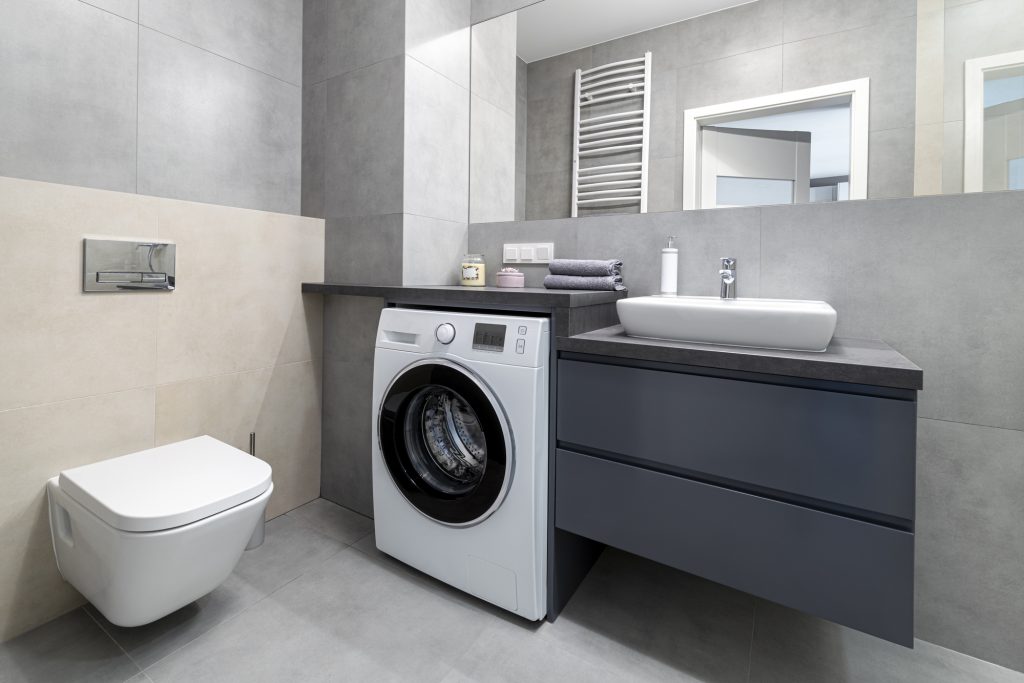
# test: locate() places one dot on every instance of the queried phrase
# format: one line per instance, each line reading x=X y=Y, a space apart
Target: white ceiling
x=554 y=27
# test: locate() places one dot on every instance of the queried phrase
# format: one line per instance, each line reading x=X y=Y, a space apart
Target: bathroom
x=309 y=180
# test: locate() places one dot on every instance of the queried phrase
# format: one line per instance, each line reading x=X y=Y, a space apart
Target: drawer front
x=848 y=449
x=854 y=573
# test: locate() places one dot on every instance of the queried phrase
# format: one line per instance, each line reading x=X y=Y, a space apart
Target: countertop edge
x=530 y=296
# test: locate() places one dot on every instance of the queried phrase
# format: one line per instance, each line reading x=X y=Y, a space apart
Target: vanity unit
x=788 y=475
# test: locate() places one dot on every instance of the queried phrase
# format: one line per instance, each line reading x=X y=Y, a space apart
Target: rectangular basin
x=759 y=323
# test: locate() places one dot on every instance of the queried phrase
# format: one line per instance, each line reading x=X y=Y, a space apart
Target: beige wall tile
x=36 y=444
x=57 y=342
x=238 y=304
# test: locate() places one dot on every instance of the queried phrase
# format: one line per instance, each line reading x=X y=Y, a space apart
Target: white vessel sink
x=760 y=323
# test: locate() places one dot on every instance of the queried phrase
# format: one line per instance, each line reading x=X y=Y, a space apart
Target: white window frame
x=974 y=113
x=858 y=92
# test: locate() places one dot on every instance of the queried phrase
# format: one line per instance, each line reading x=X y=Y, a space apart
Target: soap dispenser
x=670 y=268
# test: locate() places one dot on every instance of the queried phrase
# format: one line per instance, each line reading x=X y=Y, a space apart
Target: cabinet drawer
x=851 y=572
x=850 y=450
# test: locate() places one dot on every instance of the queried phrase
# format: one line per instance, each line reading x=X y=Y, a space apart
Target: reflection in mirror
x=1003 y=146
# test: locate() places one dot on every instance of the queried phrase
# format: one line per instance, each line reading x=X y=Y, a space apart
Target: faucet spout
x=728 y=275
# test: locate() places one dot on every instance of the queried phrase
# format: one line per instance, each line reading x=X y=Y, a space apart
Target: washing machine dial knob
x=445 y=333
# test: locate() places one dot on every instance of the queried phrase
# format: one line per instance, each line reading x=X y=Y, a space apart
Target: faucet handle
x=728 y=263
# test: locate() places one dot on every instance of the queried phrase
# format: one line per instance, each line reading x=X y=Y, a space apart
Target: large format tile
x=812 y=18
x=263 y=34
x=364 y=249
x=494 y=65
x=492 y=163
x=346 y=466
x=433 y=249
x=437 y=34
x=436 y=151
x=37 y=444
x=365 y=144
x=332 y=520
x=915 y=273
x=970 y=542
x=663 y=43
x=733 y=31
x=289 y=550
x=488 y=238
x=238 y=303
x=128 y=9
x=790 y=647
x=68 y=344
x=344 y=35
x=739 y=77
x=891 y=163
x=488 y=9
x=68 y=75
x=314 y=152
x=342 y=619
x=553 y=75
x=215 y=131
x=548 y=195
x=71 y=648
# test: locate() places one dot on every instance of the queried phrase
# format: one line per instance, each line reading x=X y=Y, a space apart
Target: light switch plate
x=530 y=252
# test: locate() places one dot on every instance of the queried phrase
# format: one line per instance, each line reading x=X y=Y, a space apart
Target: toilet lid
x=166 y=487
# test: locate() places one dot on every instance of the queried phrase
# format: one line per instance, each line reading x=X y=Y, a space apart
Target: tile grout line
x=113 y=640
x=750 y=652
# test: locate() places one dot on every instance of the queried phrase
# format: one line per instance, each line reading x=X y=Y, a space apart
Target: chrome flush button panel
x=126 y=265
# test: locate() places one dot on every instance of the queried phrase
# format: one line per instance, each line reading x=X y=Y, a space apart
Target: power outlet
x=530 y=252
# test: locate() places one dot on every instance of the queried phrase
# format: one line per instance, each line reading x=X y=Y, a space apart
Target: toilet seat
x=168 y=486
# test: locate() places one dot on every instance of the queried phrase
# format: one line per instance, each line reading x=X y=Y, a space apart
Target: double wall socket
x=532 y=252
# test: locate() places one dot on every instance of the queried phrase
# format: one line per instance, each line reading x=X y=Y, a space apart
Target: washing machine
x=460 y=466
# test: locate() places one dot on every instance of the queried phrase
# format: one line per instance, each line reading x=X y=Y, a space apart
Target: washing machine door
x=446 y=442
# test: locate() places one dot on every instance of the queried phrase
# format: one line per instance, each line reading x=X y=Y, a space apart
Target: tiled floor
x=318 y=602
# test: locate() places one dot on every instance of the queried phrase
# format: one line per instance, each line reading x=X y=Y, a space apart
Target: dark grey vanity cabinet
x=800 y=491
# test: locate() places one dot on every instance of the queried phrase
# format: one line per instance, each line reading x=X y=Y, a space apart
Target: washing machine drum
x=445 y=443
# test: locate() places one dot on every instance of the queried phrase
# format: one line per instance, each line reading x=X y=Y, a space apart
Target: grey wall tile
x=365 y=119
x=665 y=185
x=436 y=152
x=364 y=249
x=494 y=63
x=344 y=35
x=749 y=27
x=732 y=78
x=953 y=157
x=314 y=149
x=548 y=140
x=557 y=74
x=970 y=542
x=214 y=131
x=665 y=114
x=548 y=195
x=68 y=76
x=129 y=9
x=433 y=249
x=265 y=35
x=492 y=163
x=521 y=116
x=891 y=163
x=885 y=53
x=488 y=9
x=662 y=43
x=334 y=521
x=811 y=18
x=488 y=238
x=437 y=34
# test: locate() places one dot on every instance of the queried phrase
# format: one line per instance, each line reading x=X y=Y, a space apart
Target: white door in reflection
x=749 y=167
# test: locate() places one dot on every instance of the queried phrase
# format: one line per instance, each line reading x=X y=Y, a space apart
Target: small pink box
x=511 y=279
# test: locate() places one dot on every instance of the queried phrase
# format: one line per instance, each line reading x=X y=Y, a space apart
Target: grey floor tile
x=791 y=647
x=290 y=550
x=333 y=520
x=70 y=648
x=351 y=618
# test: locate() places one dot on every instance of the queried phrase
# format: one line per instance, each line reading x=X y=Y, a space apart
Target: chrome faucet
x=728 y=275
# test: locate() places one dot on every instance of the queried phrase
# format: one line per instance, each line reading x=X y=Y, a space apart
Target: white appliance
x=460 y=467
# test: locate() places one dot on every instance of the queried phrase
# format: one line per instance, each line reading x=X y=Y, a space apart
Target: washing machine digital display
x=488 y=337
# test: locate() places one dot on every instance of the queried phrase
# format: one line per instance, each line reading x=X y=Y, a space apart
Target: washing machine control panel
x=445 y=333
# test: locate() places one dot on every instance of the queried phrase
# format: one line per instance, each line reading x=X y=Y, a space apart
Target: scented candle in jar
x=472 y=271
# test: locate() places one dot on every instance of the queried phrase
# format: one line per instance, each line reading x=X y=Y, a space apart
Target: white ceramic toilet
x=145 y=534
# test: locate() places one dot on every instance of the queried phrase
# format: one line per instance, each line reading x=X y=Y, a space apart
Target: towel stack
x=602 y=275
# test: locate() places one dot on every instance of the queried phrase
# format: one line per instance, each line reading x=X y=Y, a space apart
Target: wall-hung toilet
x=145 y=534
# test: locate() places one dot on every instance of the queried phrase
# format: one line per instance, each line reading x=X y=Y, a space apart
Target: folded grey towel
x=585 y=267
x=609 y=283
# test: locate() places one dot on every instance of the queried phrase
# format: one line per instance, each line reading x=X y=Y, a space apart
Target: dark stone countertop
x=534 y=297
x=860 y=361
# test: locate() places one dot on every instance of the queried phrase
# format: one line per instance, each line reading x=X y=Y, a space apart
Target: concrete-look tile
x=488 y=9
x=53 y=348
x=215 y=131
x=928 y=151
x=344 y=35
x=663 y=43
x=437 y=34
x=549 y=133
x=886 y=53
x=977 y=29
x=970 y=577
x=790 y=647
x=488 y=238
x=265 y=35
x=665 y=185
x=338 y=620
x=289 y=550
x=346 y=465
x=733 y=31
x=812 y=18
x=891 y=163
x=68 y=73
x=364 y=249
x=742 y=76
x=38 y=443
x=128 y=9
x=433 y=249
x=208 y=327
x=646 y=621
x=520 y=196
x=332 y=520
x=919 y=276
x=953 y=157
x=557 y=74
x=365 y=138
x=664 y=114
x=492 y=163
x=548 y=195
x=314 y=149
x=350 y=328
x=436 y=153
x=71 y=648
x=150 y=643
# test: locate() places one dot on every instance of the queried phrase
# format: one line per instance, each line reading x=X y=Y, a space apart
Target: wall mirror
x=582 y=108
